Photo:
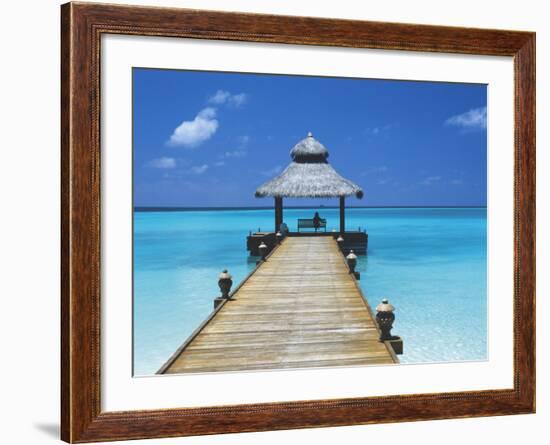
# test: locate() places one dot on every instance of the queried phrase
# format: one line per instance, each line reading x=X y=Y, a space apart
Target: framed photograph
x=274 y=222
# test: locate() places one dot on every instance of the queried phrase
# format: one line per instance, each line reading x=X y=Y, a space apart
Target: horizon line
x=206 y=208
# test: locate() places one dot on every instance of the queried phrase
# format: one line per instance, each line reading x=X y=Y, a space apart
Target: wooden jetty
x=301 y=308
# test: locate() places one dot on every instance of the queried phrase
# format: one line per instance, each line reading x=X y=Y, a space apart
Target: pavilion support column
x=278 y=213
x=276 y=206
x=342 y=215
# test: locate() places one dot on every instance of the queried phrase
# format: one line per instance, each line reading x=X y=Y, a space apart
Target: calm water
x=430 y=263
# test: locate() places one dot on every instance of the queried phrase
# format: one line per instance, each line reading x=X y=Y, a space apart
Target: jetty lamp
x=340 y=242
x=224 y=282
x=352 y=263
x=279 y=237
x=385 y=318
x=262 y=249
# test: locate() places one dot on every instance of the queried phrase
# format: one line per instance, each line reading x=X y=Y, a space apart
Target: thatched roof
x=309 y=175
x=309 y=147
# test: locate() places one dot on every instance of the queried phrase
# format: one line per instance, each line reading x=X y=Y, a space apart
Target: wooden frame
x=82 y=26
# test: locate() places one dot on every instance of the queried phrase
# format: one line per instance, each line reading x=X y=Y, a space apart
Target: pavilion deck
x=353 y=240
x=301 y=308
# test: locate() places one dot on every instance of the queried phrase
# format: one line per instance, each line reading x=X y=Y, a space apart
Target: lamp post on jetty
x=262 y=248
x=340 y=242
x=385 y=317
x=351 y=259
x=309 y=175
x=225 y=281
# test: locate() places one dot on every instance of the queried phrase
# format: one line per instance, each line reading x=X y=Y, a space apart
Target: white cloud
x=199 y=169
x=235 y=154
x=431 y=179
x=473 y=119
x=241 y=151
x=193 y=133
x=163 y=162
x=244 y=140
x=272 y=172
x=384 y=129
x=220 y=97
x=238 y=99
x=456 y=182
x=220 y=164
x=225 y=97
x=376 y=170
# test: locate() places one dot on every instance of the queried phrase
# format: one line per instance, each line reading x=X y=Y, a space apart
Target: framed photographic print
x=277 y=222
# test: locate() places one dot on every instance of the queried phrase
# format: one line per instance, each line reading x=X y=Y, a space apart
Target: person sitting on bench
x=312 y=223
x=316 y=221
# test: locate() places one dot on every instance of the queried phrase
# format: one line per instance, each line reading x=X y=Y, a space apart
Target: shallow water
x=430 y=263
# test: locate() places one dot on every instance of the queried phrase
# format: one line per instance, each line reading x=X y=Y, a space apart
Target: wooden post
x=275 y=211
x=278 y=213
x=342 y=215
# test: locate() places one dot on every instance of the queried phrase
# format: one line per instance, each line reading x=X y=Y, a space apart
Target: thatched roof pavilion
x=309 y=175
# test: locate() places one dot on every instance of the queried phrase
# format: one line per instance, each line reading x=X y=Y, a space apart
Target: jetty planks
x=299 y=309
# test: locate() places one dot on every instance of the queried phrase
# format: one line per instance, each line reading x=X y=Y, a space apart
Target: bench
x=308 y=224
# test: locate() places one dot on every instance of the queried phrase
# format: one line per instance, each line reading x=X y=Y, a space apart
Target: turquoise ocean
x=431 y=263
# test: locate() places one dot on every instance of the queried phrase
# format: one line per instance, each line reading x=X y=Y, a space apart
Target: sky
x=209 y=139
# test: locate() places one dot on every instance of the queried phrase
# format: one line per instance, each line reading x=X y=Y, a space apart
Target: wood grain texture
x=82 y=27
x=300 y=309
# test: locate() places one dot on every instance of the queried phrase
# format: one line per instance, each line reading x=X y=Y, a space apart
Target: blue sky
x=209 y=139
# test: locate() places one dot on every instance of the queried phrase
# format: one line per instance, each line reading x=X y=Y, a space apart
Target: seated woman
x=316 y=221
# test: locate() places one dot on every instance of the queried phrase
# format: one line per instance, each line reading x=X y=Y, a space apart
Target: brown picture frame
x=82 y=25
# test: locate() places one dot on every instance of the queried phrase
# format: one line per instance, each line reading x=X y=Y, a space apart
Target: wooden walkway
x=299 y=309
